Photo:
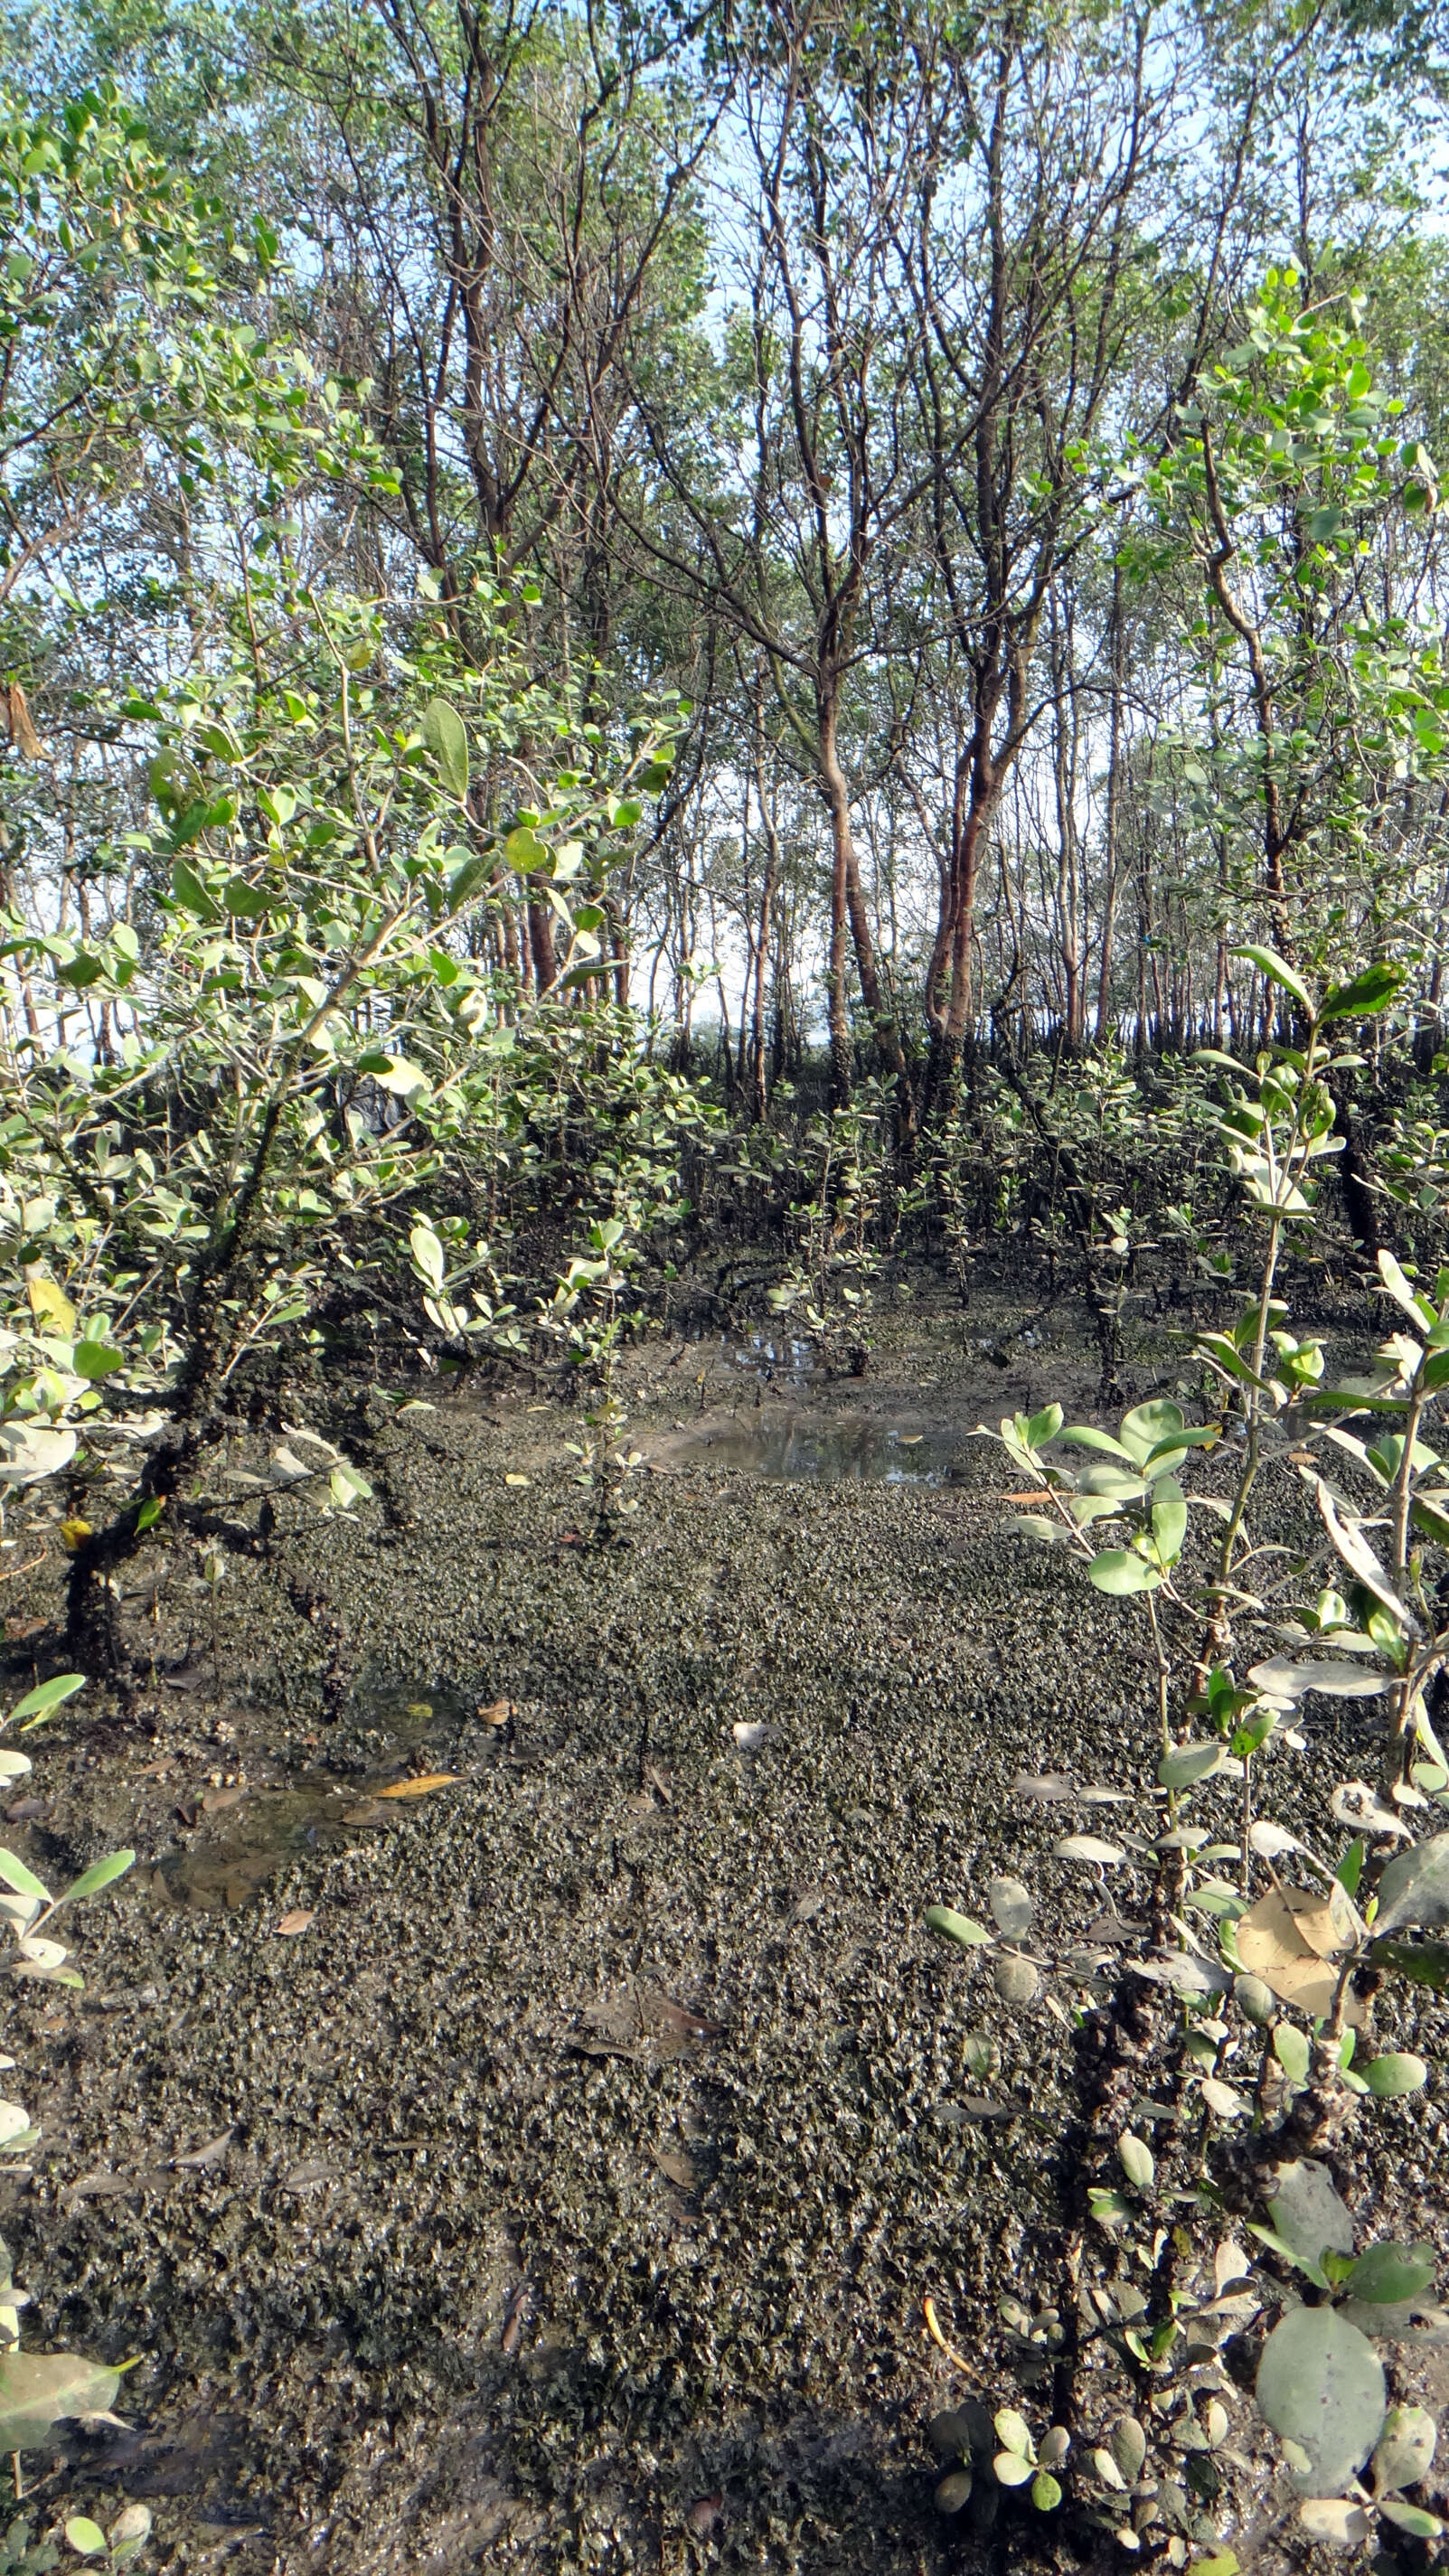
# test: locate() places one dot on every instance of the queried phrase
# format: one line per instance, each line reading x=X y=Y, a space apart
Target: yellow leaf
x=1277 y=1940
x=73 y=1535
x=420 y=1788
x=516 y=1480
x=49 y=1303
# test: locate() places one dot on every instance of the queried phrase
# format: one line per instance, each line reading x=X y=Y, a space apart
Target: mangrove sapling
x=114 y=2548
x=827 y=1285
x=463 y=1294
x=39 y=2390
x=587 y=1314
x=296 y=1051
x=1269 y=2032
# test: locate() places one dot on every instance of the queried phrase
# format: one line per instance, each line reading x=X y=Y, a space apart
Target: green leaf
x=1414 y=1889
x=1321 y=2386
x=1046 y=2495
x=99 y=1875
x=446 y=736
x=428 y=1255
x=1399 y=2071
x=98 y=1359
x=1151 y=1426
x=1406 y=2448
x=1118 y=1570
x=1390 y=2273
x=465 y=881
x=150 y=1512
x=1309 y=2216
x=958 y=1927
x=1424 y=1963
x=1279 y=972
x=1223 y=1353
x=405 y=1079
x=1188 y=1763
x=41 y=2389
x=1109 y=2208
x=247 y=902
x=1418 y=1309
x=1371 y=991
x=1169 y=1519
x=1042 y=1426
x=47 y=1697
x=1350 y=1868
x=1081 y=1435
x=190 y=893
x=85 y=2537
x=1137 y=2161
x=1011 y=2469
x=524 y=851
x=1410 y=2518
x=1014 y=2433
x=1129 y=2449
x=24 y=1881
x=1290 y=2047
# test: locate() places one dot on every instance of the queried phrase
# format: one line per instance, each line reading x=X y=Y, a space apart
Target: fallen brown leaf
x=513 y=2317
x=1272 y=1945
x=497 y=1713
x=420 y=1788
x=215 y=1801
x=295 y=1922
x=703 y=2516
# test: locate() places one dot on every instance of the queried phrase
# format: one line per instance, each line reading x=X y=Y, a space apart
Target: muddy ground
x=574 y=2177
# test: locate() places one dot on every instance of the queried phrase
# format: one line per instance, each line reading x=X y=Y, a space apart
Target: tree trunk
x=847 y=901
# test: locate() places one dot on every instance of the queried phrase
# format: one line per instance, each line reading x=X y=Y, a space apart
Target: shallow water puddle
x=321 y=1810
x=849 y=1450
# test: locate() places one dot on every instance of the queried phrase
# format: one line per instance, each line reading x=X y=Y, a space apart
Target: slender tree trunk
x=847 y=903
x=540 y=940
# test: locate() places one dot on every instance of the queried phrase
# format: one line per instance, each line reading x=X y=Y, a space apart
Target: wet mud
x=546 y=2169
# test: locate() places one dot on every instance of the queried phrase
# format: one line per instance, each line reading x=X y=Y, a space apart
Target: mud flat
x=562 y=2193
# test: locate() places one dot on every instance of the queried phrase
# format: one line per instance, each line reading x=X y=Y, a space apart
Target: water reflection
x=789 y=1448
x=403 y=1726
x=770 y=1357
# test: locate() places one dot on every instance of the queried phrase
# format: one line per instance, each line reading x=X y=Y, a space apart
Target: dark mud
x=575 y=2176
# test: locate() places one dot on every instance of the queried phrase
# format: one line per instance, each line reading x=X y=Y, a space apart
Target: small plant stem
x=1164 y=1671
x=1253 y=1411
x=1404 y=1491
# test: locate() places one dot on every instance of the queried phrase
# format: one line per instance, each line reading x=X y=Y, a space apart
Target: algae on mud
x=586 y=2157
